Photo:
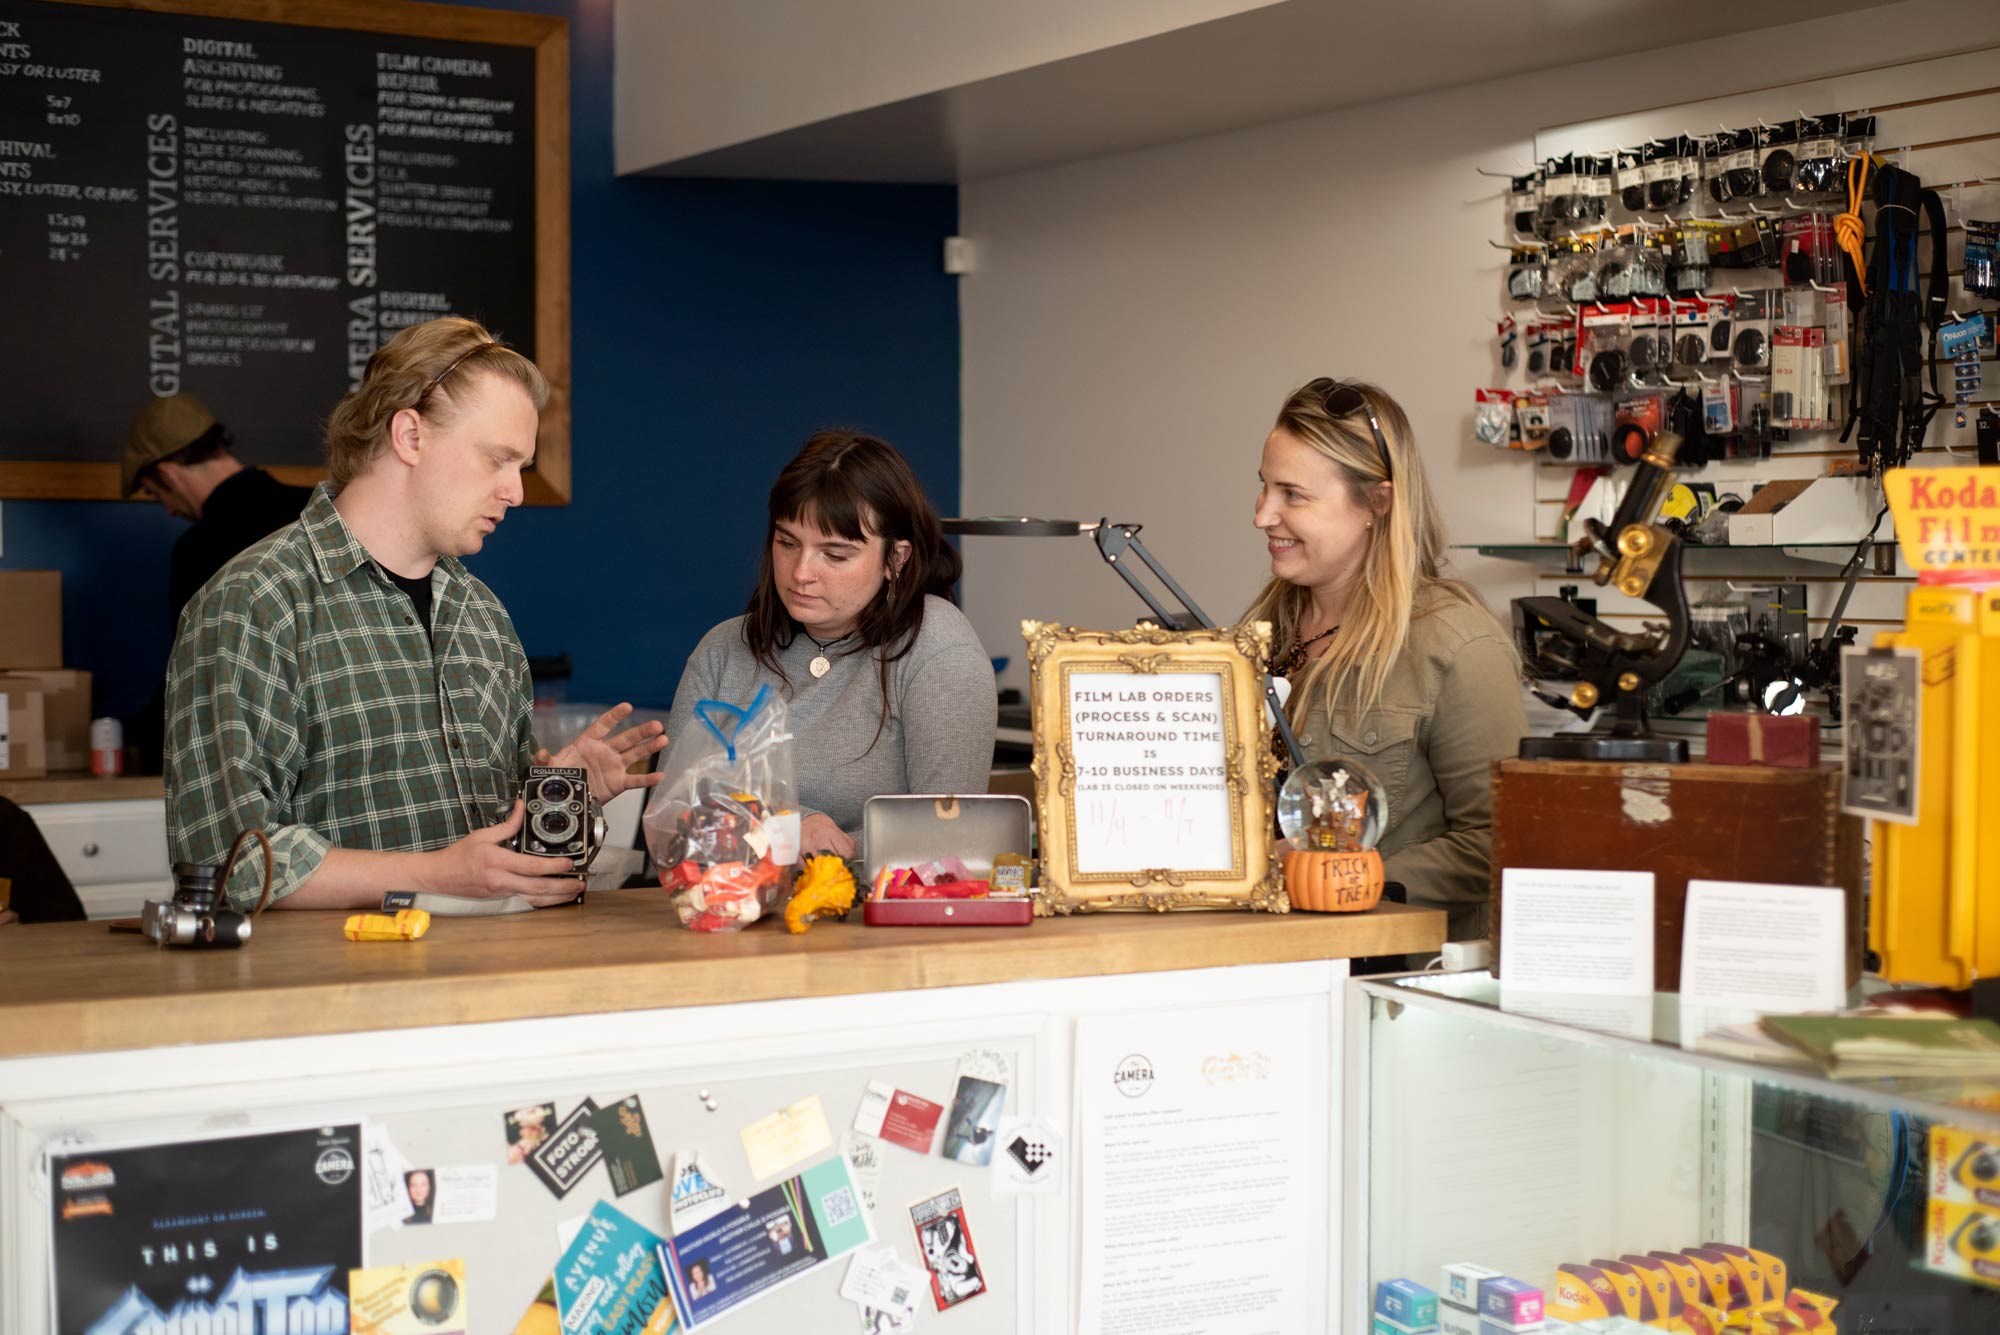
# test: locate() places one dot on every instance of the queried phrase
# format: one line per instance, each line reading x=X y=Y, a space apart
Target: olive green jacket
x=1450 y=708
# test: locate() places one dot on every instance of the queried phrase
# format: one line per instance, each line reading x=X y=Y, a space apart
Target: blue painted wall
x=714 y=325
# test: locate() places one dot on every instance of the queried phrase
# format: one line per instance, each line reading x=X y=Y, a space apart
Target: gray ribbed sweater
x=942 y=712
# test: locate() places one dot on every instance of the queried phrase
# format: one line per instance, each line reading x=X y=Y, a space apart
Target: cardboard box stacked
x=44 y=708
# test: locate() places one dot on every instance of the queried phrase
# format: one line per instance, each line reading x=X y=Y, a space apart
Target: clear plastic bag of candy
x=723 y=825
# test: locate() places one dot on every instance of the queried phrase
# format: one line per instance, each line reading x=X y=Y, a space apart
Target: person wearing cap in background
x=177 y=454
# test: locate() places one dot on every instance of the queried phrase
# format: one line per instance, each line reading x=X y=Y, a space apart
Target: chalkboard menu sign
x=193 y=199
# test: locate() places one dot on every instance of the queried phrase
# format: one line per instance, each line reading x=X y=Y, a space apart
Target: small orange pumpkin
x=1321 y=882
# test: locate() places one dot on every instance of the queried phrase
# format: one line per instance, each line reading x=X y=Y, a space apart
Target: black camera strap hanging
x=1891 y=406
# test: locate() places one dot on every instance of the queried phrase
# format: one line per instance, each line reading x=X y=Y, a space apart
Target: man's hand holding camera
x=484 y=865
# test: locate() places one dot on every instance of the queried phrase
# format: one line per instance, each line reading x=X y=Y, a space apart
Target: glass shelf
x=1531 y=547
x=1660 y=1030
x=1837 y=552
x=1537 y=1135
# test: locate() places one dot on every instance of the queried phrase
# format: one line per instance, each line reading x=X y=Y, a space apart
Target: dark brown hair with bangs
x=856 y=487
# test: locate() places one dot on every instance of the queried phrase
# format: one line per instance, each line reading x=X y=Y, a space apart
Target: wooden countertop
x=81 y=787
x=76 y=987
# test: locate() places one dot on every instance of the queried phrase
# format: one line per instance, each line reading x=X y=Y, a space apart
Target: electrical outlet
x=1467 y=956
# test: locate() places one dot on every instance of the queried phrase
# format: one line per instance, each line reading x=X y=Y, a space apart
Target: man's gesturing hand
x=608 y=757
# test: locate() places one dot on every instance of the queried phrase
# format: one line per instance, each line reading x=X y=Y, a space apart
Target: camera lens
x=197 y=885
x=1750 y=348
x=1778 y=171
x=555 y=792
x=1607 y=369
x=1629 y=441
x=554 y=825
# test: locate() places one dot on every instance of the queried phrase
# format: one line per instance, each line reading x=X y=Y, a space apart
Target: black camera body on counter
x=562 y=819
x=198 y=914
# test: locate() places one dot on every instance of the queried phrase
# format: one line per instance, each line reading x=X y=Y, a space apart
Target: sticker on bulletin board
x=426 y=1299
x=209 y=1230
x=608 y=1281
x=780 y=1234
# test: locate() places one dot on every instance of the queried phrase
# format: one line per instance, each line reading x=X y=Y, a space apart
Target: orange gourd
x=1321 y=882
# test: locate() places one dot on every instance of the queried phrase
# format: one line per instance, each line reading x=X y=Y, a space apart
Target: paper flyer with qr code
x=783 y=1232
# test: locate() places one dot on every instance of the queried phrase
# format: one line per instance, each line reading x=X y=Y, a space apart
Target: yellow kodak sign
x=1948 y=522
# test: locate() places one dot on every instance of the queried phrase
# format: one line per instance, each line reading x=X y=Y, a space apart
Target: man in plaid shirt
x=347 y=687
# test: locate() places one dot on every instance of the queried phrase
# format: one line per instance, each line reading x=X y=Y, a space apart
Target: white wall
x=1137 y=319
x=697 y=75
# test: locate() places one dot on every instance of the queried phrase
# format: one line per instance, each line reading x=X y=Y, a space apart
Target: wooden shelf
x=80 y=787
x=77 y=987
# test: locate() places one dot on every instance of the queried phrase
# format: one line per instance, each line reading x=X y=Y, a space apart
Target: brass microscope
x=1560 y=642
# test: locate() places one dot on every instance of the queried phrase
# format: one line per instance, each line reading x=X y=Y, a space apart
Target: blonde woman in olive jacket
x=1390 y=663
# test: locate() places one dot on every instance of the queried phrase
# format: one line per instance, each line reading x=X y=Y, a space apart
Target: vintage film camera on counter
x=563 y=820
x=199 y=914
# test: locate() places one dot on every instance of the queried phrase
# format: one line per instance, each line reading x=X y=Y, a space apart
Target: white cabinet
x=114 y=853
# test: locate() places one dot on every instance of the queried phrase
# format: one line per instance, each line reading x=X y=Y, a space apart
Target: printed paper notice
x=1201 y=1159
x=786 y=1137
x=1764 y=948
x=1588 y=932
x=1152 y=779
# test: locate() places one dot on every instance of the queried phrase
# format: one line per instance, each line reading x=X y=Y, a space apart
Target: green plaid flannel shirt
x=304 y=699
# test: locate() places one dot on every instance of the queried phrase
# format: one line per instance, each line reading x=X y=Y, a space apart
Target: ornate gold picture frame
x=1151 y=749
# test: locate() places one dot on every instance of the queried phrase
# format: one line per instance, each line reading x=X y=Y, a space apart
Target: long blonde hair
x=1399 y=576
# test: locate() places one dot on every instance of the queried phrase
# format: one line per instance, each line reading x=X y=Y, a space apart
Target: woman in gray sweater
x=888 y=687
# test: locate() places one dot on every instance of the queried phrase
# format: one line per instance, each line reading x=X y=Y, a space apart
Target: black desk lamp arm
x=1115 y=540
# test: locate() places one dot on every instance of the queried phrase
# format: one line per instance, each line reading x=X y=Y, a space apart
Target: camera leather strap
x=1891 y=407
x=229 y=865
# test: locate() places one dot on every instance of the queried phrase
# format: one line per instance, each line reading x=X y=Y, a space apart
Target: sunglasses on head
x=1344 y=400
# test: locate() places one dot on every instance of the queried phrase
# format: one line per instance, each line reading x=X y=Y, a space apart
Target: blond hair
x=417 y=369
x=1399 y=575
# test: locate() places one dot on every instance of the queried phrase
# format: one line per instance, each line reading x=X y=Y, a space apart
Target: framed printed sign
x=1153 y=768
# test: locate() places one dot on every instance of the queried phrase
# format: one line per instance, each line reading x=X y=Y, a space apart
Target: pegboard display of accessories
x=1741 y=288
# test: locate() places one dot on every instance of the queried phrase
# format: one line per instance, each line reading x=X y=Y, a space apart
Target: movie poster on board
x=254 y=1234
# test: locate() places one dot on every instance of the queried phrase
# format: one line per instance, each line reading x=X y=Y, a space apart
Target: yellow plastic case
x=1918 y=882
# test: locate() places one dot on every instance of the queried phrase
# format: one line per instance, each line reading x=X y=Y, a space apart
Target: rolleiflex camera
x=563 y=820
x=198 y=914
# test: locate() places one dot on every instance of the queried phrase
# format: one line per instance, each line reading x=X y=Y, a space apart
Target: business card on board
x=629 y=1155
x=571 y=1150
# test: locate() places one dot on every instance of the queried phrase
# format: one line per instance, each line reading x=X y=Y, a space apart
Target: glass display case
x=1528 y=1143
